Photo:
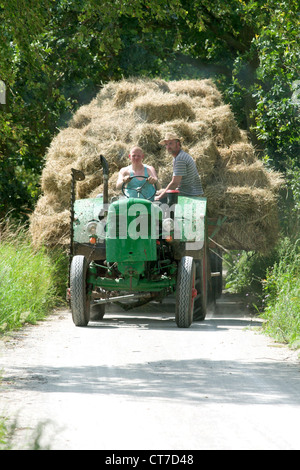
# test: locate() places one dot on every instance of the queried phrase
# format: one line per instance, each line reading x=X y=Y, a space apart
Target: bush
x=282 y=295
x=246 y=270
x=273 y=284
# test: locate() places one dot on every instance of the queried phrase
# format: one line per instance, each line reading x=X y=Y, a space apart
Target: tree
x=277 y=109
x=56 y=54
x=20 y=23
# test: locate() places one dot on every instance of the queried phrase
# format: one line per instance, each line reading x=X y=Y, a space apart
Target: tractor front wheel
x=80 y=300
x=185 y=292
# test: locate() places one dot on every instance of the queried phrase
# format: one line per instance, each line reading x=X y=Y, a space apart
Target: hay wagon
x=139 y=112
x=132 y=251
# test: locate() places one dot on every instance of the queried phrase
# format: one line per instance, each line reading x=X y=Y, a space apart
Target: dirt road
x=136 y=381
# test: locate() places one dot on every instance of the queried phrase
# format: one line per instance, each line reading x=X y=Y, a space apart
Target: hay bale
x=116 y=153
x=165 y=174
x=275 y=180
x=128 y=90
x=243 y=202
x=112 y=191
x=239 y=152
x=88 y=185
x=253 y=175
x=156 y=160
x=108 y=126
x=147 y=136
x=215 y=194
x=140 y=112
x=81 y=118
x=221 y=123
x=56 y=181
x=198 y=88
x=207 y=157
x=180 y=127
x=120 y=93
x=65 y=145
x=160 y=107
x=234 y=235
x=52 y=229
x=48 y=205
x=201 y=130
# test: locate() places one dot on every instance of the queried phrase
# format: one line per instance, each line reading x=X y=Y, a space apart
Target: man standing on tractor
x=185 y=174
x=129 y=175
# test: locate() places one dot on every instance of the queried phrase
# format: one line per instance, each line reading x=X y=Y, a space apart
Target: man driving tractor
x=130 y=174
x=185 y=174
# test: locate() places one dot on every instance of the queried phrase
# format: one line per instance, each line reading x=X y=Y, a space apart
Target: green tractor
x=132 y=250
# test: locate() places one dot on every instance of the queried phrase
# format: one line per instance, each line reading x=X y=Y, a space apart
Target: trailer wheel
x=216 y=266
x=185 y=290
x=200 y=301
x=80 y=301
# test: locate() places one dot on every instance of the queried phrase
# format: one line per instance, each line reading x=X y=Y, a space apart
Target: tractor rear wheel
x=185 y=290
x=80 y=300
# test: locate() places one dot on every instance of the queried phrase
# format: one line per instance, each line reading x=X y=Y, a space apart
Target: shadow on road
x=190 y=381
x=194 y=380
x=227 y=312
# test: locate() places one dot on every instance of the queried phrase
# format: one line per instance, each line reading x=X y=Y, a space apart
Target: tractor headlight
x=168 y=225
x=92 y=228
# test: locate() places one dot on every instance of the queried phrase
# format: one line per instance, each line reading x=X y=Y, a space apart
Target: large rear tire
x=185 y=290
x=80 y=300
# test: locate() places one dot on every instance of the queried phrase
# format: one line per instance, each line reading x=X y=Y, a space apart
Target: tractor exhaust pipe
x=105 y=178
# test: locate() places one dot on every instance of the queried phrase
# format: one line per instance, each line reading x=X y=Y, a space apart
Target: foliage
x=294 y=183
x=5 y=435
x=277 y=109
x=8 y=436
x=2 y=434
x=31 y=281
x=282 y=295
x=246 y=270
x=273 y=284
x=289 y=205
x=56 y=54
x=20 y=134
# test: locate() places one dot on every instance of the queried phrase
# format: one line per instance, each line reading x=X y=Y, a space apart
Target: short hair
x=136 y=147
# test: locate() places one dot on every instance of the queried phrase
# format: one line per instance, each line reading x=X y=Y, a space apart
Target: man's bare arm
x=123 y=174
x=175 y=182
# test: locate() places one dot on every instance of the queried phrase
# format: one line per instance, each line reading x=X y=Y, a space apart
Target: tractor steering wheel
x=139 y=189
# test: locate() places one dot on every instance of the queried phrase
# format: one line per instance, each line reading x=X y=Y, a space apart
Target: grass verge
x=274 y=282
x=282 y=295
x=32 y=282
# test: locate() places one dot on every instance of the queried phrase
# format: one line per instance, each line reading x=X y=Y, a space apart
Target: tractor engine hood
x=131 y=231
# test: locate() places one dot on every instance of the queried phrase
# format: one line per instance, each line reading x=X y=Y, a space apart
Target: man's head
x=172 y=143
x=136 y=154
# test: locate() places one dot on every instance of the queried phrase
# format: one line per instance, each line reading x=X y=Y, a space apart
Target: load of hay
x=139 y=112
